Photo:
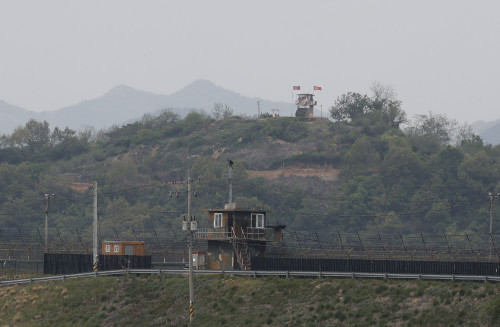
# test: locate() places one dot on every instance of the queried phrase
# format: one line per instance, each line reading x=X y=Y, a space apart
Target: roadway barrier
x=261 y=273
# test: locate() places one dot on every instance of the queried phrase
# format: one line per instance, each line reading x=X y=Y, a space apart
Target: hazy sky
x=439 y=56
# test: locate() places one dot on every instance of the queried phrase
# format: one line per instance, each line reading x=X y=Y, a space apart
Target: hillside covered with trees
x=421 y=175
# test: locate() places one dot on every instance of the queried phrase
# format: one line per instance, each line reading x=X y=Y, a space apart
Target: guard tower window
x=108 y=248
x=258 y=220
x=117 y=248
x=218 y=220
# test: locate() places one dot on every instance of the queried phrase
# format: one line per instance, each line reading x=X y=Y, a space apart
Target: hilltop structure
x=305 y=105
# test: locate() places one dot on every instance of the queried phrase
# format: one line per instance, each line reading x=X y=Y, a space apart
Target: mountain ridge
x=123 y=104
x=488 y=131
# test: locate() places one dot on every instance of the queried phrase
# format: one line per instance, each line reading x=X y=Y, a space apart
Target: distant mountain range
x=489 y=131
x=124 y=104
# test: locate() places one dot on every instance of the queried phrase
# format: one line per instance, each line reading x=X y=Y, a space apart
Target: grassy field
x=239 y=301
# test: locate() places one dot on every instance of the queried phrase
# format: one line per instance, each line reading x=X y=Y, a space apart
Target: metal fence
x=29 y=245
x=439 y=247
x=15 y=265
x=379 y=266
x=171 y=245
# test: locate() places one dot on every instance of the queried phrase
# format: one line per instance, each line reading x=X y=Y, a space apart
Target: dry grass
x=238 y=301
x=326 y=174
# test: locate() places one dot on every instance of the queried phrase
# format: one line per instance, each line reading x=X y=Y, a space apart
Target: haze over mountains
x=489 y=131
x=124 y=104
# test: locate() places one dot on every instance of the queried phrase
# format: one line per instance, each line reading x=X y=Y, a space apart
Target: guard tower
x=236 y=235
x=305 y=105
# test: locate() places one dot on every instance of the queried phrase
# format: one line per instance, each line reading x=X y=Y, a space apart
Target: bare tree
x=433 y=125
x=384 y=92
x=221 y=112
x=463 y=132
x=87 y=134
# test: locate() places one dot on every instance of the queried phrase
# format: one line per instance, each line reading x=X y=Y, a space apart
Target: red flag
x=317 y=88
x=296 y=87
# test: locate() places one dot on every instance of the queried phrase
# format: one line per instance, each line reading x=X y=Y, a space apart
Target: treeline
x=428 y=174
x=35 y=142
x=431 y=176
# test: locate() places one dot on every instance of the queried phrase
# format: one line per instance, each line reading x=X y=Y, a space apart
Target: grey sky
x=440 y=56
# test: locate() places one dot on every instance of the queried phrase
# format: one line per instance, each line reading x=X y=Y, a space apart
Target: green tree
x=195 y=121
x=38 y=135
x=400 y=164
x=446 y=164
x=472 y=145
x=385 y=105
x=480 y=167
x=18 y=139
x=434 y=126
x=387 y=223
x=361 y=157
x=349 y=107
x=439 y=216
x=121 y=175
x=376 y=114
x=35 y=170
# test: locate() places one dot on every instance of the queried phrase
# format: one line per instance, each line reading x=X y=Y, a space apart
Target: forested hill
x=361 y=172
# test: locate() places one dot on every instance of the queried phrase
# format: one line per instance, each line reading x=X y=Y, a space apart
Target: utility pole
x=47 y=201
x=94 y=239
x=192 y=226
x=230 y=179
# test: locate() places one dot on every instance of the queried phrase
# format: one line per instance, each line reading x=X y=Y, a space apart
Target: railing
x=256 y=273
x=249 y=233
x=209 y=233
x=256 y=233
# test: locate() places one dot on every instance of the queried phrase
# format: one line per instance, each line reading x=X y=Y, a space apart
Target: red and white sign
x=296 y=87
x=317 y=88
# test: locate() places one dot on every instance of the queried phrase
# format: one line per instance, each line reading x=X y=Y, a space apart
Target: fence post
x=317 y=238
x=360 y=243
x=401 y=237
x=448 y=244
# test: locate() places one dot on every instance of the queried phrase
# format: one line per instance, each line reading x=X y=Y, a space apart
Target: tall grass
x=239 y=301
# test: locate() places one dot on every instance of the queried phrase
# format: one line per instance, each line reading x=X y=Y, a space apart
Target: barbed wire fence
x=395 y=246
x=171 y=245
